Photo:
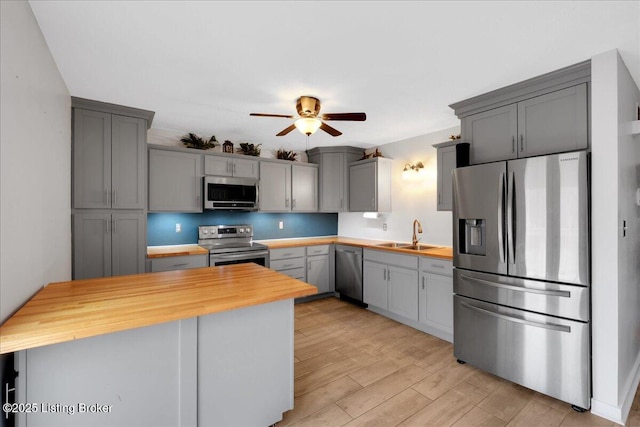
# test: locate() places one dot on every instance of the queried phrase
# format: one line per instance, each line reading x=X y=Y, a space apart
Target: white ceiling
x=203 y=66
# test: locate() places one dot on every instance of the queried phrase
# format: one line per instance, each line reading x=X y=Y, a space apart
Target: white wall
x=411 y=199
x=615 y=259
x=35 y=162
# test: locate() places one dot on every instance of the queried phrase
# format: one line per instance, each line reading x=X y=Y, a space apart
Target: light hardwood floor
x=356 y=368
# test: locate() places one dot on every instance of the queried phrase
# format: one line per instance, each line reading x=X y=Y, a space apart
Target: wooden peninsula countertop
x=77 y=309
x=444 y=252
x=175 y=250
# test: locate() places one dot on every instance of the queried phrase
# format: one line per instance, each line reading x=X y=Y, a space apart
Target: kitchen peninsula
x=189 y=347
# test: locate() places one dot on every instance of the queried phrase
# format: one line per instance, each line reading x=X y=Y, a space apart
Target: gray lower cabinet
x=181 y=262
x=108 y=160
x=333 y=185
x=224 y=165
x=288 y=188
x=435 y=299
x=233 y=368
x=289 y=261
x=175 y=181
x=370 y=185
x=108 y=244
x=554 y=122
x=391 y=282
x=319 y=268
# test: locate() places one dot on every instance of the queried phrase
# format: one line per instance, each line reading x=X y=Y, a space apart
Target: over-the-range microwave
x=230 y=193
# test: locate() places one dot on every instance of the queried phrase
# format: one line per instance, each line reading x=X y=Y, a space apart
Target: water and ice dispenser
x=472 y=236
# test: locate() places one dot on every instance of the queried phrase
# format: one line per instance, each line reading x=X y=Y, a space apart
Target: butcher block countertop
x=175 y=250
x=444 y=252
x=77 y=309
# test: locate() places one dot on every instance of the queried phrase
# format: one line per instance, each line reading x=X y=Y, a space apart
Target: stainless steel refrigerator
x=522 y=272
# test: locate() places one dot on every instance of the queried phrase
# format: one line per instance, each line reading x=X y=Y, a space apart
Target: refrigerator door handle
x=551 y=326
x=511 y=238
x=551 y=293
x=501 y=190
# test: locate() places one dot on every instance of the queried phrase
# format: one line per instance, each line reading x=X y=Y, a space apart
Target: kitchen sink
x=418 y=247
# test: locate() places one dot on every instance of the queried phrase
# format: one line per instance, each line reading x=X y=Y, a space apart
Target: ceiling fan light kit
x=309 y=121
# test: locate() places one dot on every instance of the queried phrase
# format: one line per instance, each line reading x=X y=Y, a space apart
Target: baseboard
x=619 y=414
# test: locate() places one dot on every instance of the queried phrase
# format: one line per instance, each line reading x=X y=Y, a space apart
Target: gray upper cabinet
x=492 y=134
x=553 y=122
x=108 y=160
x=222 y=165
x=543 y=115
x=285 y=187
x=370 y=185
x=107 y=244
x=175 y=181
x=333 y=164
x=275 y=187
x=446 y=164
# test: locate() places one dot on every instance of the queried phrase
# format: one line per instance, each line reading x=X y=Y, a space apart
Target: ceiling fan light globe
x=308 y=125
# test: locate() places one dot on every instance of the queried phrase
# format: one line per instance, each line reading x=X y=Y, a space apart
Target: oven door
x=259 y=257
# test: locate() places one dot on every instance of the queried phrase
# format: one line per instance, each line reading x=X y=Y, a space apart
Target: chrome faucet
x=414 y=239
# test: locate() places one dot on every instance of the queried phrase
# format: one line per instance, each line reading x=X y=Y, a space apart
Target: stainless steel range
x=232 y=244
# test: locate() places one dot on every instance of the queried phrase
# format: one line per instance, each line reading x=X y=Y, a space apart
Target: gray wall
x=615 y=263
x=35 y=161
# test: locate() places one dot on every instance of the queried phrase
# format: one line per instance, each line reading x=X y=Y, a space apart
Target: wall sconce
x=408 y=167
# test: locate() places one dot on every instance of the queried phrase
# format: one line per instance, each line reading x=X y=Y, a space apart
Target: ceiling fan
x=310 y=120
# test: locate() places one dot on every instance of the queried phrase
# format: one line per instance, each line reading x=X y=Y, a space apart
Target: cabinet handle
x=293 y=203
x=286 y=203
x=439 y=198
x=106 y=226
x=373 y=202
x=287 y=265
x=182 y=264
x=521 y=142
x=513 y=143
x=388 y=274
x=107 y=195
x=423 y=282
x=115 y=193
x=233 y=168
x=384 y=274
x=436 y=266
x=228 y=167
x=114 y=227
x=341 y=202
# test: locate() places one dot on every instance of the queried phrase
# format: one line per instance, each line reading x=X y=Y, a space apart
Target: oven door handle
x=244 y=255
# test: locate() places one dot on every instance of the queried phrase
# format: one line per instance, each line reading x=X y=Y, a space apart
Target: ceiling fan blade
x=328 y=129
x=354 y=117
x=272 y=115
x=286 y=131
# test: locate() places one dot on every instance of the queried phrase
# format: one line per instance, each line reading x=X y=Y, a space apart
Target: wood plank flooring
x=357 y=368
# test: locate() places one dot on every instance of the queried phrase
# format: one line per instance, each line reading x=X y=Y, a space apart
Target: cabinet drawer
x=296 y=273
x=390 y=258
x=286 y=264
x=178 y=262
x=284 y=253
x=318 y=250
x=436 y=265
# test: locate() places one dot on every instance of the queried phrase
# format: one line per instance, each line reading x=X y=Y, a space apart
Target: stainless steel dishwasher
x=349 y=273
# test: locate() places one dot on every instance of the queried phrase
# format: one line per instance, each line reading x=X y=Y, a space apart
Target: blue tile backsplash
x=161 y=227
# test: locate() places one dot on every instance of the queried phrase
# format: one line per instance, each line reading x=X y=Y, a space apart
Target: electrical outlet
x=178 y=228
x=280 y=225
x=384 y=226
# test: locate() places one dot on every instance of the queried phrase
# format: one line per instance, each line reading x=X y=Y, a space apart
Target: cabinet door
x=375 y=284
x=554 y=122
x=304 y=188
x=275 y=187
x=128 y=151
x=362 y=187
x=128 y=244
x=218 y=165
x=403 y=292
x=91 y=245
x=244 y=168
x=436 y=300
x=492 y=134
x=91 y=159
x=175 y=181
x=332 y=182
x=446 y=164
x=318 y=272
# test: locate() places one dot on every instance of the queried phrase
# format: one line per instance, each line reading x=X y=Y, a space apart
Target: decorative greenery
x=283 y=154
x=375 y=154
x=250 y=149
x=194 y=141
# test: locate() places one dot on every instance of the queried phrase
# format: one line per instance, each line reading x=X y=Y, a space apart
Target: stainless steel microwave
x=230 y=193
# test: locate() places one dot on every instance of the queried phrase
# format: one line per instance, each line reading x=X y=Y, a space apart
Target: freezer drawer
x=543 y=353
x=552 y=299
